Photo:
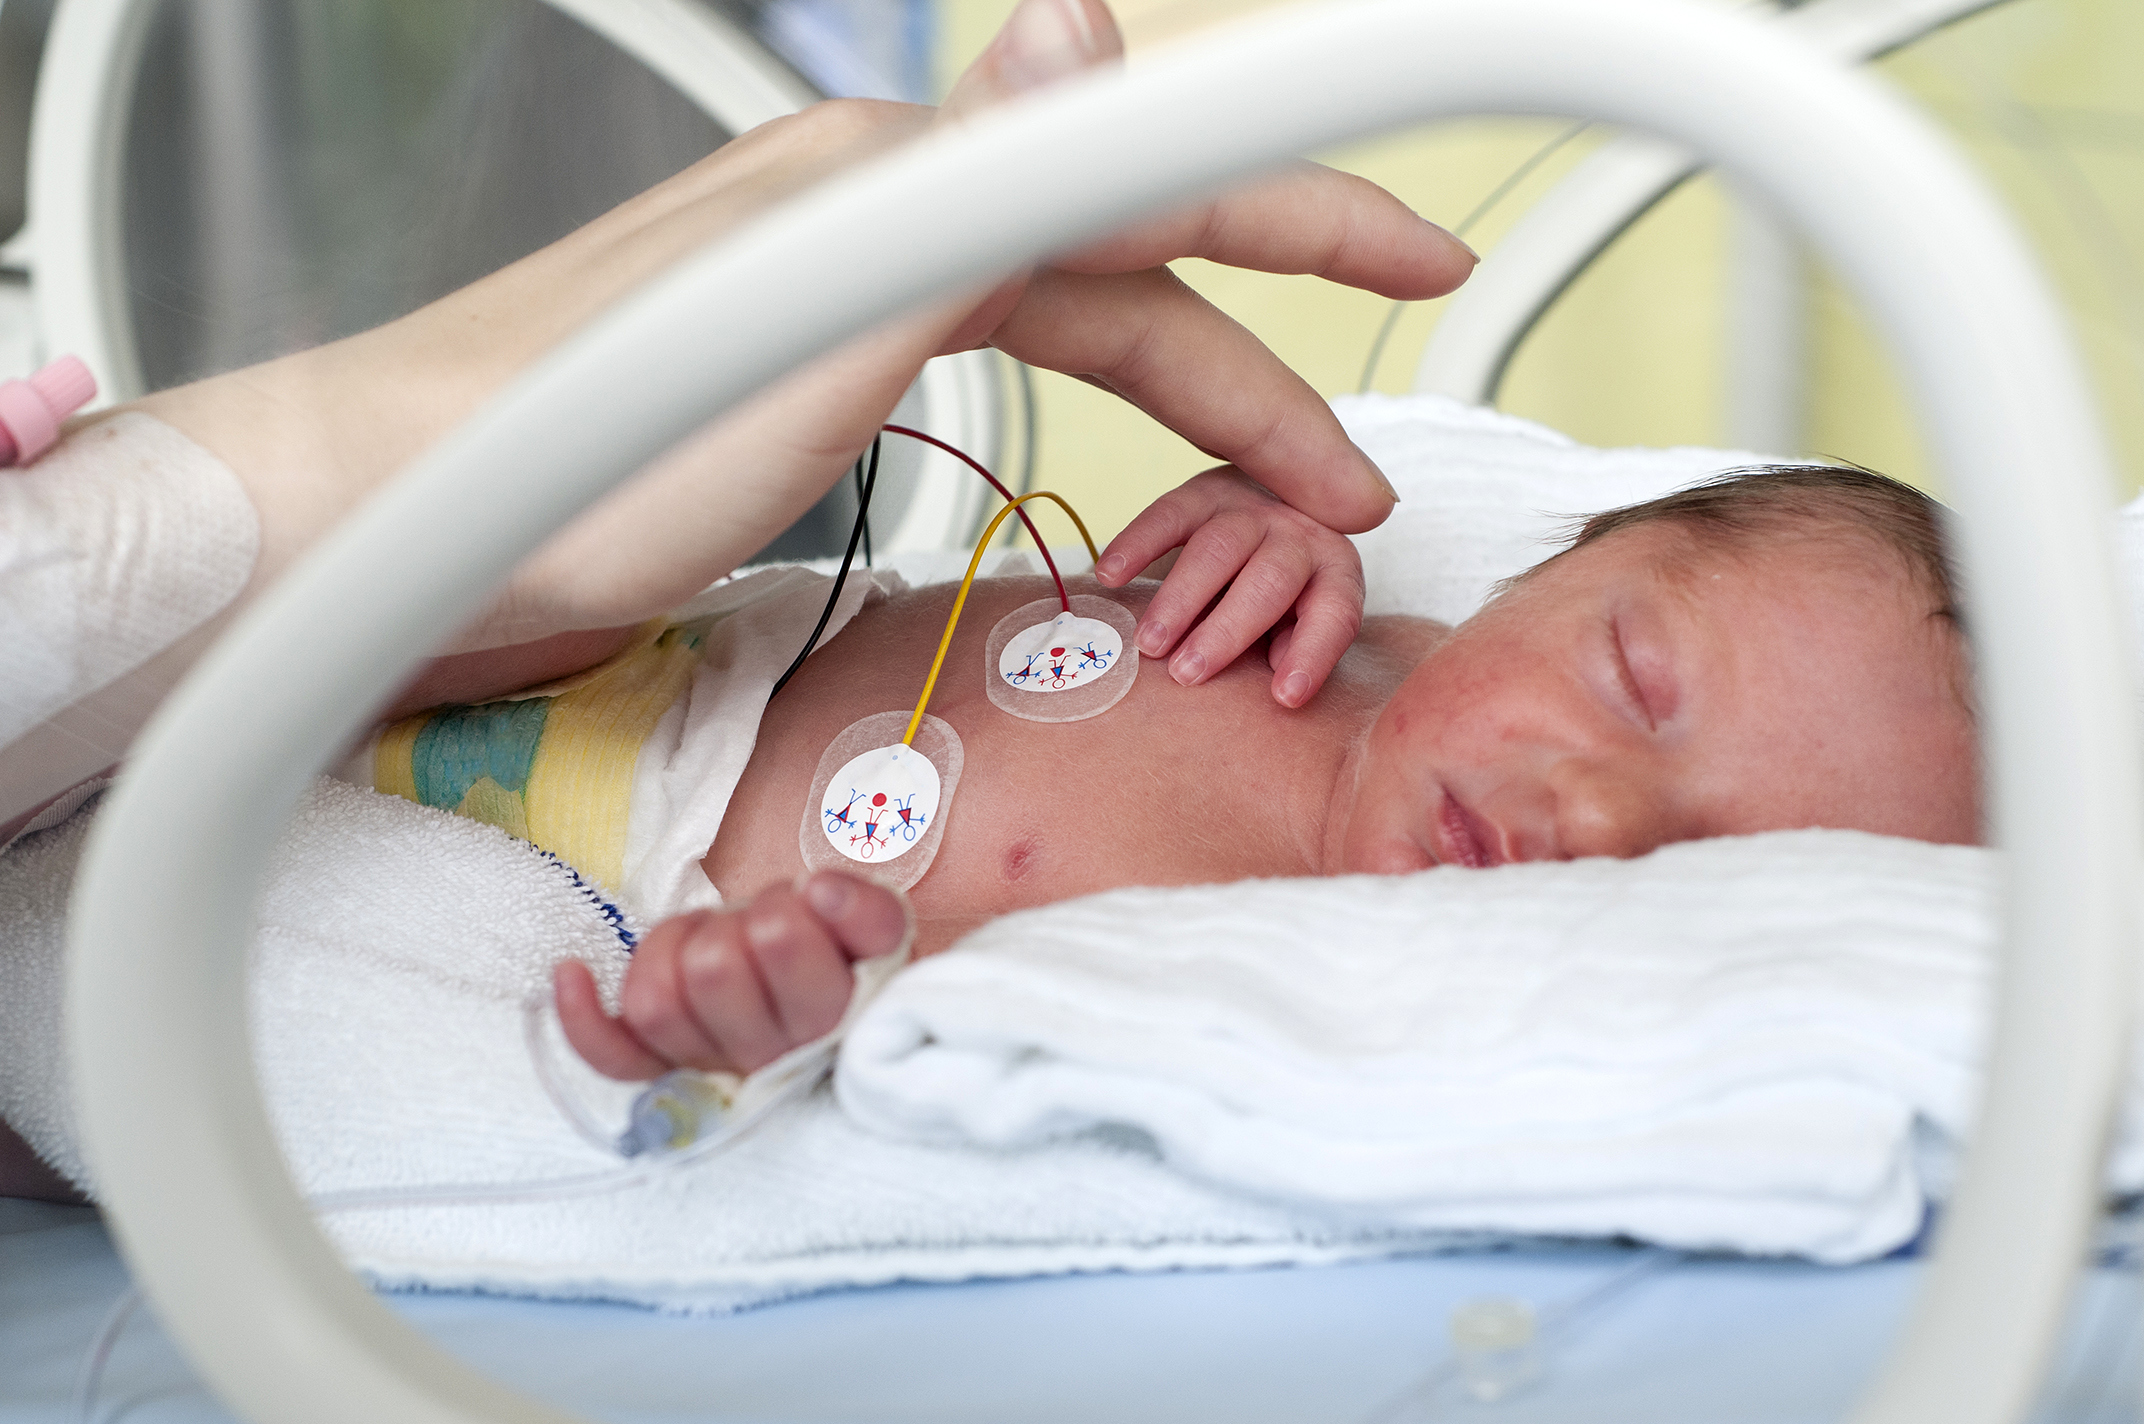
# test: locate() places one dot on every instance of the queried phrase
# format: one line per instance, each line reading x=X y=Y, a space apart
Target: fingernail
x=1458 y=239
x=1111 y=567
x=1295 y=689
x=1153 y=637
x=830 y=896
x=1382 y=483
x=702 y=949
x=765 y=929
x=1044 y=40
x=1188 y=668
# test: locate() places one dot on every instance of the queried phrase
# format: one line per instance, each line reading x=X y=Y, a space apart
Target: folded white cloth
x=1726 y=1044
x=420 y=907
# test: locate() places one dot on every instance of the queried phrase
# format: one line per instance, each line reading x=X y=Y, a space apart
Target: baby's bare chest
x=1149 y=792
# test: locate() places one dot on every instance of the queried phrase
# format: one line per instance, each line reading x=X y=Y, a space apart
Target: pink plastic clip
x=31 y=411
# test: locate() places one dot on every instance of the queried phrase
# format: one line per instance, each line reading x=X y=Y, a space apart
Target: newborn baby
x=1771 y=650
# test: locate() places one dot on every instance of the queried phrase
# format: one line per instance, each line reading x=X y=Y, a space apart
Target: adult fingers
x=1041 y=41
x=605 y=1044
x=1158 y=344
x=1305 y=219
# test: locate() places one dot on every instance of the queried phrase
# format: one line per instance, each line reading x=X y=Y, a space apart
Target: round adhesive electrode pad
x=879 y=804
x=1048 y=665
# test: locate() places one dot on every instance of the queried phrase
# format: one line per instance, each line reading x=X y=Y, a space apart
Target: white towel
x=397 y=945
x=372 y=904
x=1726 y=1044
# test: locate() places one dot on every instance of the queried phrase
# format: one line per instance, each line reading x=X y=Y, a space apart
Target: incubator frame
x=196 y=1189
x=78 y=138
x=1484 y=322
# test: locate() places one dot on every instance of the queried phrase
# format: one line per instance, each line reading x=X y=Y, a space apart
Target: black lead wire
x=863 y=505
x=869 y=482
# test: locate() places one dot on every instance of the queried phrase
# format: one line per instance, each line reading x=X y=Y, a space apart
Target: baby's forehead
x=1822 y=578
x=1694 y=559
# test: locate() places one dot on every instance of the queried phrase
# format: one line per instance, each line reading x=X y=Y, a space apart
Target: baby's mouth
x=1460 y=838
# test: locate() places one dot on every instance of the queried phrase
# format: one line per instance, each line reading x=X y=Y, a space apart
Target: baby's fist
x=733 y=990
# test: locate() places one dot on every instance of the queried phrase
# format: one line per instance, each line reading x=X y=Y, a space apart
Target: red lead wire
x=976 y=465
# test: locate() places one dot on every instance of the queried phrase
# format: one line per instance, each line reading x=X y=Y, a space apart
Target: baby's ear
x=1044 y=41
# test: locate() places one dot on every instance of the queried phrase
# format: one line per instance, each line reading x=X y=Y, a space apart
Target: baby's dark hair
x=1769 y=500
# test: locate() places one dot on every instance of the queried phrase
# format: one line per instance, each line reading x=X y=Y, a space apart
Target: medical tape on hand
x=120 y=542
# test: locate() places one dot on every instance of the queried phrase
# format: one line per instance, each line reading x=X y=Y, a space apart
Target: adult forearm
x=313 y=434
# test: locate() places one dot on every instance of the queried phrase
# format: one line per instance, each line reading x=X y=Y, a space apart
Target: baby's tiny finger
x=866 y=919
x=806 y=974
x=1154 y=531
x=729 y=1000
x=1212 y=557
x=654 y=1001
x=1263 y=591
x=1327 y=618
x=603 y=1043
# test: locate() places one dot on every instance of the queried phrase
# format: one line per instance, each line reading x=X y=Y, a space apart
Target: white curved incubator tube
x=175 y=1126
x=1559 y=237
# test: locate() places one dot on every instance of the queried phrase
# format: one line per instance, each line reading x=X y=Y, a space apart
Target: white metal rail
x=1483 y=324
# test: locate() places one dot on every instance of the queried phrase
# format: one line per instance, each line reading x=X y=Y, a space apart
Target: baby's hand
x=733 y=990
x=1283 y=572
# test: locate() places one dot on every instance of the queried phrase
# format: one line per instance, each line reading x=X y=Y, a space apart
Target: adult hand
x=1113 y=314
x=1110 y=312
x=313 y=434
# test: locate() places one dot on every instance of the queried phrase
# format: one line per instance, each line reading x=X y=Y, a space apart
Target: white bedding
x=1761 y=1043
x=391 y=1042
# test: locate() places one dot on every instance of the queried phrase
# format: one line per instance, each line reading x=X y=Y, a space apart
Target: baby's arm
x=733 y=990
x=1281 y=571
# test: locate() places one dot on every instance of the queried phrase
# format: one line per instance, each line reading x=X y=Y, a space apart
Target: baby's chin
x=1382 y=852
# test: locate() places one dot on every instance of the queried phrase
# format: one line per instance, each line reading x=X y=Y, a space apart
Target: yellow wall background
x=2044 y=94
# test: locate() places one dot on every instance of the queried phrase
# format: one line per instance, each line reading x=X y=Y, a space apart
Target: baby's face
x=1643 y=690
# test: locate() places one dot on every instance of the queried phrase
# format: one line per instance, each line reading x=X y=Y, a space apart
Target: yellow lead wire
x=930 y=683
